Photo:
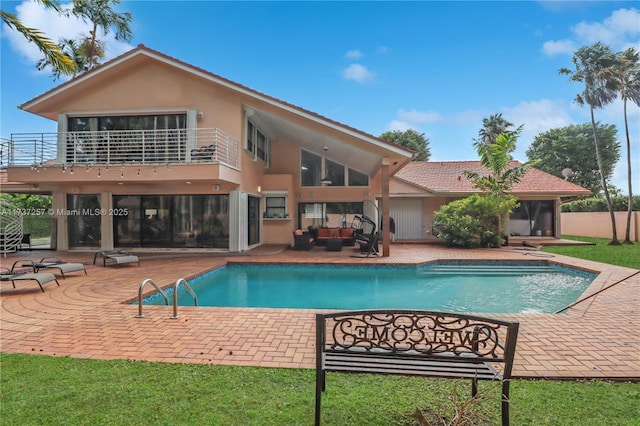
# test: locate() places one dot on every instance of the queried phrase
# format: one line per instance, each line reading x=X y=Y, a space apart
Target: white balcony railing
x=122 y=147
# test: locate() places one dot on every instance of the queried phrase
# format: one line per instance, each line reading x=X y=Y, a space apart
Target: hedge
x=600 y=204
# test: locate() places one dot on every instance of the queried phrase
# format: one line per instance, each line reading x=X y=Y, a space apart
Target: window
x=136 y=138
x=314 y=167
x=275 y=204
x=535 y=218
x=311 y=168
x=358 y=179
x=258 y=143
x=172 y=221
x=338 y=214
x=251 y=134
x=83 y=225
x=335 y=173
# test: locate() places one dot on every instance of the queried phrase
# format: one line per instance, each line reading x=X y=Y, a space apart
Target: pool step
x=485 y=269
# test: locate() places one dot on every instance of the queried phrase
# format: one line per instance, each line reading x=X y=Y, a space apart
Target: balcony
x=121 y=147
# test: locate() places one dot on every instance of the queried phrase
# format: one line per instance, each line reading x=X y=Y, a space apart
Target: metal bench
x=415 y=343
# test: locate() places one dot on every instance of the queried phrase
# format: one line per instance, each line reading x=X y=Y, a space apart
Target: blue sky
x=436 y=67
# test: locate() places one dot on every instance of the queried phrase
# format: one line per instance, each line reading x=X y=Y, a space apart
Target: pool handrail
x=175 y=296
x=157 y=287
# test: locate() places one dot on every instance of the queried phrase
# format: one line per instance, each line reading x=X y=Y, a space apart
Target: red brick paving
x=86 y=316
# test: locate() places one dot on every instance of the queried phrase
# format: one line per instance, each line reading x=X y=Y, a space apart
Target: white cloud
x=538 y=117
x=620 y=30
x=354 y=54
x=419 y=117
x=560 y=47
x=358 y=73
x=400 y=126
x=55 y=26
x=616 y=30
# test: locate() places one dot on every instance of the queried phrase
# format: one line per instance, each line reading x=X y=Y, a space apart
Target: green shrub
x=470 y=222
x=37 y=225
x=597 y=204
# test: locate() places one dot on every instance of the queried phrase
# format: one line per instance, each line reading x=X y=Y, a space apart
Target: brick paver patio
x=86 y=316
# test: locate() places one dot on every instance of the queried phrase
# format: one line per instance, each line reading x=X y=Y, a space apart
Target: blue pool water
x=458 y=287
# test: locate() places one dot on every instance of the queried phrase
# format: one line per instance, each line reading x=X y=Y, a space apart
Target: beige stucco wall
x=598 y=224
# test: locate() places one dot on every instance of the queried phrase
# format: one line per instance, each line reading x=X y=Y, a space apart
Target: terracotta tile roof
x=447 y=177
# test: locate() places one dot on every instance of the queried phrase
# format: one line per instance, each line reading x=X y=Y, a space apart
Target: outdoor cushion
x=323 y=233
x=346 y=233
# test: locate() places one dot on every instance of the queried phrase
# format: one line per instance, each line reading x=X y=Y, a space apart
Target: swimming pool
x=457 y=287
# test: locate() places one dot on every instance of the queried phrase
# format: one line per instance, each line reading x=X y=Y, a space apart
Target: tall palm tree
x=491 y=127
x=627 y=80
x=502 y=174
x=52 y=52
x=594 y=66
x=102 y=16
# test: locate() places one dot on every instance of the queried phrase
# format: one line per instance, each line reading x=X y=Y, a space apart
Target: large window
x=330 y=215
x=533 y=218
x=314 y=167
x=166 y=221
x=335 y=173
x=310 y=169
x=258 y=143
x=138 y=138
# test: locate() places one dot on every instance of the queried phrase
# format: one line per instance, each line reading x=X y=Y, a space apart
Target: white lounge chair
x=59 y=264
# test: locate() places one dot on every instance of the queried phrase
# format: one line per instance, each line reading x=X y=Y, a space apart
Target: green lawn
x=623 y=255
x=41 y=390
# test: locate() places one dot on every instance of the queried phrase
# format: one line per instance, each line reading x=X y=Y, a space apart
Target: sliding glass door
x=168 y=221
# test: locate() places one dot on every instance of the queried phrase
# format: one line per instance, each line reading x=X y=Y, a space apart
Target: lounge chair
x=59 y=264
x=116 y=258
x=12 y=275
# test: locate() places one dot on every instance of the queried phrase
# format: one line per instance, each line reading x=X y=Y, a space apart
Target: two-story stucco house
x=152 y=152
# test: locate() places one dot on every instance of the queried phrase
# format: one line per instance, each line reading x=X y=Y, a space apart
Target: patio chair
x=13 y=275
x=116 y=258
x=302 y=241
x=368 y=243
x=60 y=265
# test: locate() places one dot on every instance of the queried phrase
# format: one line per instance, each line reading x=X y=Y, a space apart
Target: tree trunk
x=627 y=234
x=603 y=182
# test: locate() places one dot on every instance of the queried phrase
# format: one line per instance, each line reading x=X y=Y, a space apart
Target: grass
x=42 y=390
x=600 y=251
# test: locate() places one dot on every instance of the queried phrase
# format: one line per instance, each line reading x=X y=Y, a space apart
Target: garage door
x=407 y=215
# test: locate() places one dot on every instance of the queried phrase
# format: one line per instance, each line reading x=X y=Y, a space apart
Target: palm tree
x=52 y=52
x=492 y=127
x=595 y=68
x=78 y=52
x=627 y=80
x=100 y=14
x=496 y=159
